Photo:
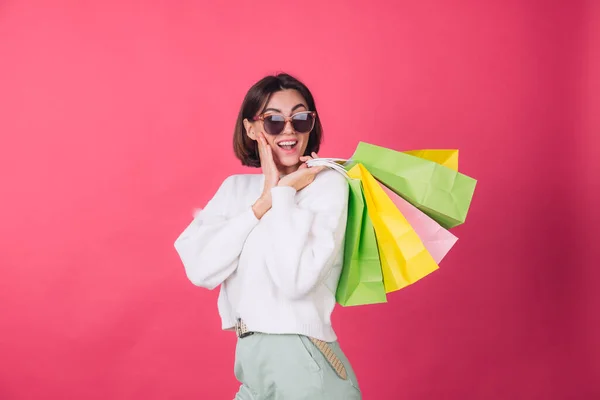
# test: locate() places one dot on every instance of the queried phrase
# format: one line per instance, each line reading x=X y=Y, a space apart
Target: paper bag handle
x=331 y=163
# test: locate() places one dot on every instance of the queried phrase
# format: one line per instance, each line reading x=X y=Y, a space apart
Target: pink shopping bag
x=437 y=240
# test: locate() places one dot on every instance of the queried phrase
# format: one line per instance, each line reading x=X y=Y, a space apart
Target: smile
x=288 y=144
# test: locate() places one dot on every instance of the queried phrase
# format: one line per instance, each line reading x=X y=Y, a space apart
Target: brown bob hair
x=246 y=149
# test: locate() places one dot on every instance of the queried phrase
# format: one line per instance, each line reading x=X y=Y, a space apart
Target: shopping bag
x=447 y=158
x=404 y=258
x=437 y=240
x=440 y=192
x=361 y=279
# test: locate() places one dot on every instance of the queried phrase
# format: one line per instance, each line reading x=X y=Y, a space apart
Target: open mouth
x=288 y=144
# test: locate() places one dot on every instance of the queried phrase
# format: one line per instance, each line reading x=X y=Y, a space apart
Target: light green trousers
x=290 y=367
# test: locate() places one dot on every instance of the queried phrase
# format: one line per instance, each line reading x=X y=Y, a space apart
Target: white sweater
x=278 y=274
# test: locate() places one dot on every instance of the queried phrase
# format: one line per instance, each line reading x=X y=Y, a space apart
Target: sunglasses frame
x=286 y=119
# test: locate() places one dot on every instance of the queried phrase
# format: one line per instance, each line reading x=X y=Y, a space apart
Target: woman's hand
x=271 y=173
x=304 y=176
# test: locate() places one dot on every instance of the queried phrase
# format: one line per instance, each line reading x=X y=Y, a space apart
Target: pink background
x=116 y=122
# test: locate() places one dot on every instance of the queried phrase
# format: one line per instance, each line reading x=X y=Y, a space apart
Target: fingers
x=261 y=146
x=268 y=162
x=264 y=149
x=313 y=170
x=262 y=140
x=268 y=152
x=306 y=158
x=267 y=146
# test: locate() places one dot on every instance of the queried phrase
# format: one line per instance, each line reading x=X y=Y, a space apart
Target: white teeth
x=291 y=143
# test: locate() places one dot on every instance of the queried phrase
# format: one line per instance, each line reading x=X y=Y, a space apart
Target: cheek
x=304 y=142
x=271 y=140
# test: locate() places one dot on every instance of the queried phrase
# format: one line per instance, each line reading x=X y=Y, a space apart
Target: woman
x=274 y=242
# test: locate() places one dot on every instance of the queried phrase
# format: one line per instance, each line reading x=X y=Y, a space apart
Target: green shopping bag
x=361 y=280
x=440 y=192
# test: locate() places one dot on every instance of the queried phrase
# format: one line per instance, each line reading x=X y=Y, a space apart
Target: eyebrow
x=297 y=106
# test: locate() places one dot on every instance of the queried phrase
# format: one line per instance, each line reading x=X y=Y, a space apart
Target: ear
x=249 y=129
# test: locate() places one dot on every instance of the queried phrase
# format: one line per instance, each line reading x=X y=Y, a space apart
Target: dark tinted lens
x=274 y=124
x=303 y=122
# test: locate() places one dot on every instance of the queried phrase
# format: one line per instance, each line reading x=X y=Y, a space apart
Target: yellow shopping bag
x=447 y=158
x=404 y=258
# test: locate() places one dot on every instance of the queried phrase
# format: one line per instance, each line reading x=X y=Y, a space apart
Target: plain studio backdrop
x=116 y=121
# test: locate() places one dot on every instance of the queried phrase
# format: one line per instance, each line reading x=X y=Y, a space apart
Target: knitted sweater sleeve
x=211 y=244
x=306 y=242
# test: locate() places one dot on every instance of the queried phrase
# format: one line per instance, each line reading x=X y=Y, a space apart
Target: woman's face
x=289 y=145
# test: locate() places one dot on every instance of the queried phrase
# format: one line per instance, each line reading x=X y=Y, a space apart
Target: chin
x=289 y=161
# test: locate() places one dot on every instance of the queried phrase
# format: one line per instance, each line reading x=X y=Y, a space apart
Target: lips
x=287 y=144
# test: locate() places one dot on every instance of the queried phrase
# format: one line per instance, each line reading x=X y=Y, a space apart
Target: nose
x=288 y=128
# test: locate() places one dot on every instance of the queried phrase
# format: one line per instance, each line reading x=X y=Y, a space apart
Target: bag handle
x=332 y=163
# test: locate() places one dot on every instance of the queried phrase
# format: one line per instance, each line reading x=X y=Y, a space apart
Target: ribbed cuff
x=282 y=196
x=250 y=218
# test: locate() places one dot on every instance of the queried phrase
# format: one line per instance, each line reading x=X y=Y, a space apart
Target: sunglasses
x=274 y=124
